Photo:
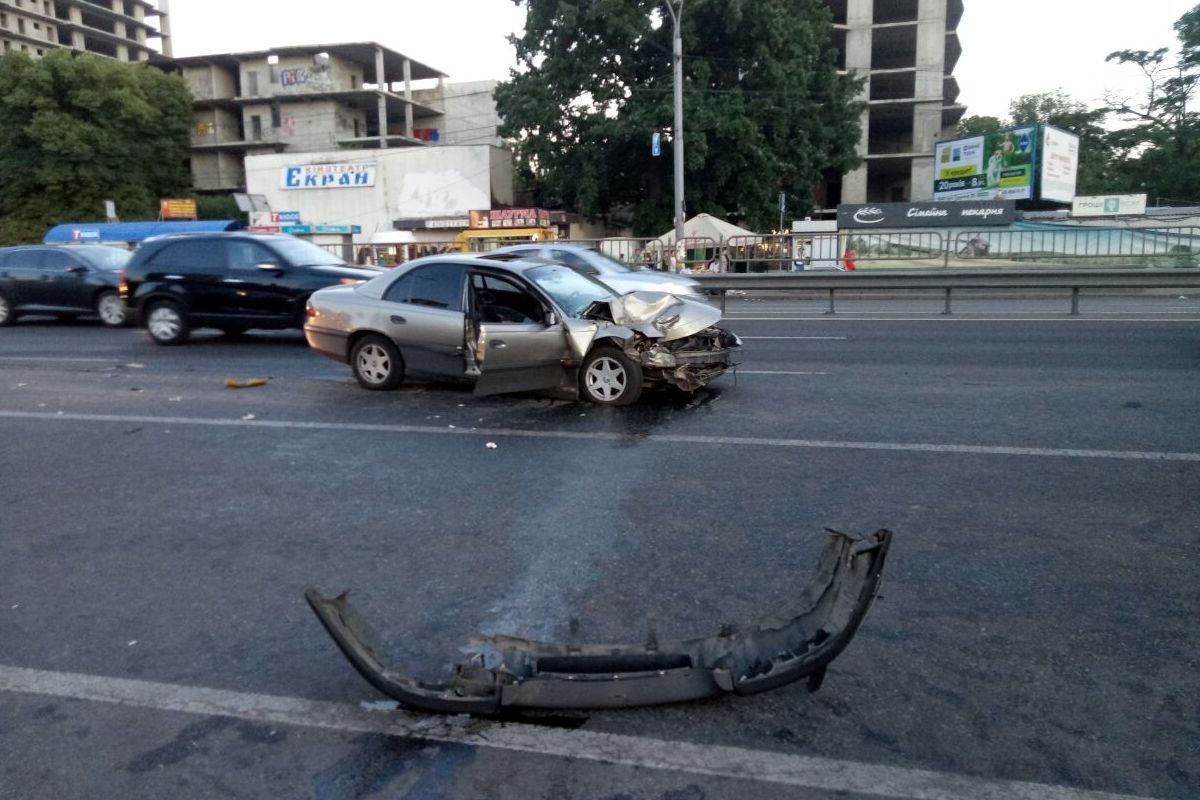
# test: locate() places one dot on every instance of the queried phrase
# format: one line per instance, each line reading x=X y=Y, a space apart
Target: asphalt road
x=1037 y=622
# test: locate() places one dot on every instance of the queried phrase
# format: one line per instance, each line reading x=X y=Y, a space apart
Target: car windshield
x=300 y=253
x=571 y=291
x=606 y=263
x=109 y=259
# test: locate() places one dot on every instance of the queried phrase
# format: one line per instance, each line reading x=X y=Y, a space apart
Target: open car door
x=517 y=343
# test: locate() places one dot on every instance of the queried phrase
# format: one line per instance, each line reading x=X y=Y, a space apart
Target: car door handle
x=398 y=320
x=499 y=344
x=172 y=277
x=233 y=280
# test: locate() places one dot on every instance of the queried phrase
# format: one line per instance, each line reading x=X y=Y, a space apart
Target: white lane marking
x=775 y=372
x=820 y=338
x=848 y=316
x=59 y=358
x=668 y=438
x=735 y=763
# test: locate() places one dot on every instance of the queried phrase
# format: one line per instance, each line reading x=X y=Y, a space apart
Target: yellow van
x=482 y=240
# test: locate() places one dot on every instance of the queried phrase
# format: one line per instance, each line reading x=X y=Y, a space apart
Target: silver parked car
x=515 y=326
x=619 y=277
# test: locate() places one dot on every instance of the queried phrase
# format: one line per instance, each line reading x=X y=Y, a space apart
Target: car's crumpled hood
x=639 y=310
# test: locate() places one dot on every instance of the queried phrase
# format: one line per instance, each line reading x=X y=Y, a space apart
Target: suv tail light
x=122 y=285
x=309 y=310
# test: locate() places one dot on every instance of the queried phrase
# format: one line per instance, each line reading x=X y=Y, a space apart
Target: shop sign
x=954 y=214
x=177 y=209
x=346 y=175
x=511 y=218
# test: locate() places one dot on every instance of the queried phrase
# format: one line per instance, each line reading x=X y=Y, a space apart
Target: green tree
x=76 y=130
x=1160 y=144
x=978 y=125
x=765 y=108
x=1097 y=168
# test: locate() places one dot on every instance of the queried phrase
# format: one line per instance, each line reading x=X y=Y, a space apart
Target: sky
x=1010 y=47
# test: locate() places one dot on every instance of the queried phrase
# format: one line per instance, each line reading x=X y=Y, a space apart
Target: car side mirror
x=76 y=269
x=551 y=319
x=270 y=266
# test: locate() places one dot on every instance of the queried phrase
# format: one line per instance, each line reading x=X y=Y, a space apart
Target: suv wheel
x=7 y=315
x=166 y=323
x=377 y=363
x=111 y=309
x=610 y=378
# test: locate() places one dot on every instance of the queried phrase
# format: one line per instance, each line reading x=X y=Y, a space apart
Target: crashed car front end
x=674 y=339
x=510 y=673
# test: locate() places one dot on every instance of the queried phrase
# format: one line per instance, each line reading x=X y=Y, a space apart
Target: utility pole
x=675 y=7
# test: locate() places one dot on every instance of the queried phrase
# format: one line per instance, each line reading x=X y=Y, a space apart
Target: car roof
x=162 y=237
x=575 y=248
x=517 y=265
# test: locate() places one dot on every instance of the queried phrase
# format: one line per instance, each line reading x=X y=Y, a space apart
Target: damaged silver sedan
x=509 y=673
x=517 y=326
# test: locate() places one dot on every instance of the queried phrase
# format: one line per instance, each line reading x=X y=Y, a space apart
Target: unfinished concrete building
x=127 y=30
x=907 y=51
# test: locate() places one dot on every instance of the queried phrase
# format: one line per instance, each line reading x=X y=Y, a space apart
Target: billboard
x=960 y=214
x=1112 y=205
x=994 y=166
x=1060 y=165
x=177 y=209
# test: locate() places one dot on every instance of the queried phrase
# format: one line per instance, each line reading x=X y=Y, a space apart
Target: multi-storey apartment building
x=320 y=98
x=121 y=29
x=907 y=51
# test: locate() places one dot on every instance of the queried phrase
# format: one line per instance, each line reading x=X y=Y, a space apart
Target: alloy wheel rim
x=374 y=364
x=112 y=311
x=164 y=323
x=3 y=309
x=606 y=379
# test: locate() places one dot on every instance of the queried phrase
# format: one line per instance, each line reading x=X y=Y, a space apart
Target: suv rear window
x=197 y=256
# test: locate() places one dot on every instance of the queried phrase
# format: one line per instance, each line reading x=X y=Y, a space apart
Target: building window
x=3 y=20
x=256 y=128
x=356 y=129
x=37 y=26
x=353 y=82
x=252 y=79
x=276 y=115
x=20 y=26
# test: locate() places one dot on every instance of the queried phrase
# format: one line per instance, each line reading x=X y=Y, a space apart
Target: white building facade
x=371 y=189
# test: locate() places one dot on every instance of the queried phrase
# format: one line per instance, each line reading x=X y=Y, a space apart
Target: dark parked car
x=65 y=280
x=229 y=281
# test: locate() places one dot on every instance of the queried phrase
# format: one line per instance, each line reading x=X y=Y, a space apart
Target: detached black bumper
x=796 y=644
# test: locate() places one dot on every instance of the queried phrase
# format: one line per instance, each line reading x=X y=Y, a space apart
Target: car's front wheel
x=610 y=378
x=166 y=323
x=110 y=309
x=376 y=363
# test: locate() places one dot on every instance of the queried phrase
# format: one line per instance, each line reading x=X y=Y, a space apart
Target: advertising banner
x=511 y=218
x=956 y=214
x=177 y=209
x=1111 y=205
x=1060 y=165
x=995 y=166
x=345 y=175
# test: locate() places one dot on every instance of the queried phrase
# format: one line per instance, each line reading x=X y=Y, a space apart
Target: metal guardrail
x=949 y=280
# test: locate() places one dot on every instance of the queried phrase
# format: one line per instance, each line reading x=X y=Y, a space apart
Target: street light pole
x=675 y=7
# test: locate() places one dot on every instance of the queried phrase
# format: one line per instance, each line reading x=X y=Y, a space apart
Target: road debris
x=234 y=383
x=507 y=672
x=248 y=417
x=492 y=445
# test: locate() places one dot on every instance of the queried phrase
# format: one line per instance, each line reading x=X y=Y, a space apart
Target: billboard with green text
x=994 y=166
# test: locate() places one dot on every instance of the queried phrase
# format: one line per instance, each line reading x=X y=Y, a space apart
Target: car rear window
x=194 y=256
x=105 y=258
x=433 y=286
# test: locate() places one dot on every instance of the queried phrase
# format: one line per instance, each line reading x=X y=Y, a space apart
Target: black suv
x=65 y=280
x=230 y=281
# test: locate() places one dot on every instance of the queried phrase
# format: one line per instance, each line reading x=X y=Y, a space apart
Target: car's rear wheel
x=7 y=315
x=376 y=363
x=166 y=323
x=110 y=309
x=610 y=378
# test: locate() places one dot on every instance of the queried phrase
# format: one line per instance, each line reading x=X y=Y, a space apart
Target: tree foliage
x=76 y=130
x=765 y=109
x=1096 y=155
x=978 y=125
x=1160 y=144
